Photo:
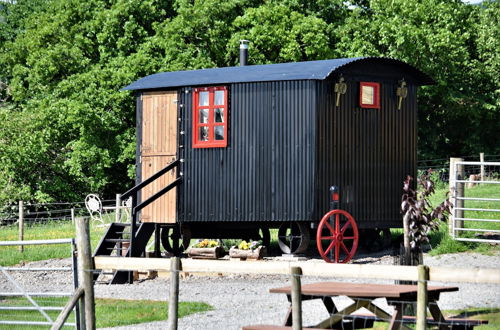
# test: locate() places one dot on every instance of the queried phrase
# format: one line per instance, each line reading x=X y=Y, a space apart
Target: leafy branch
x=419 y=216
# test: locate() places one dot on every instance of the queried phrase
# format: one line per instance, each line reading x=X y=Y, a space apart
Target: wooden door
x=158 y=149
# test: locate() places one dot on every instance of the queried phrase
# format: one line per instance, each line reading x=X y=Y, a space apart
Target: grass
x=10 y=255
x=109 y=312
x=442 y=242
x=492 y=315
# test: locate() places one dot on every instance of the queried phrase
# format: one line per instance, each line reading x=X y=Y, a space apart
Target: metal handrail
x=150 y=179
x=156 y=196
x=137 y=207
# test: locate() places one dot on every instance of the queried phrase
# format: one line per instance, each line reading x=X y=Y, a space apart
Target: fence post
x=456 y=190
x=422 y=299
x=73 y=215
x=296 y=298
x=21 y=225
x=85 y=272
x=481 y=159
x=118 y=209
x=173 y=304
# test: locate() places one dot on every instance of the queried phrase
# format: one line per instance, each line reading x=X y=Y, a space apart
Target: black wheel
x=174 y=240
x=376 y=239
x=263 y=235
x=293 y=237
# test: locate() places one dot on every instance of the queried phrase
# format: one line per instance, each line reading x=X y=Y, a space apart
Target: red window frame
x=211 y=142
x=376 y=95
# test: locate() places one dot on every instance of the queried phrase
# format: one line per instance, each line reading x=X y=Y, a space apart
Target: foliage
x=205 y=243
x=68 y=130
x=444 y=39
x=252 y=245
x=415 y=206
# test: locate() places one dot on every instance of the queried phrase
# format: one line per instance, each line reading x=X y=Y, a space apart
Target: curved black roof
x=310 y=70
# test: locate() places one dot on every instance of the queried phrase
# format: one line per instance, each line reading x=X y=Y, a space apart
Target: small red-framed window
x=210 y=114
x=369 y=95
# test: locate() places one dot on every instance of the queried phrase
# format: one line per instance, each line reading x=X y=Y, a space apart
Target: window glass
x=219 y=132
x=219 y=97
x=203 y=116
x=219 y=115
x=203 y=98
x=203 y=133
x=368 y=94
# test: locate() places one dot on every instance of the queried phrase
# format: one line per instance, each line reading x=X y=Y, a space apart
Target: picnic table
x=363 y=295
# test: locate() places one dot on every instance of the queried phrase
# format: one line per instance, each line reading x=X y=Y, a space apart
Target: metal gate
x=28 y=302
x=475 y=218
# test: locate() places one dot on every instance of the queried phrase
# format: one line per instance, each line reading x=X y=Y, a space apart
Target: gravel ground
x=241 y=300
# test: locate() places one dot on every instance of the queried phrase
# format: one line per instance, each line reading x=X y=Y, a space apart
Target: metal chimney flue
x=243 y=52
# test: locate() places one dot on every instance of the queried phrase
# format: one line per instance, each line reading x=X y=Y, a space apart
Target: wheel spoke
x=349 y=237
x=329 y=227
x=327 y=238
x=337 y=250
x=344 y=228
x=346 y=250
x=337 y=223
x=330 y=247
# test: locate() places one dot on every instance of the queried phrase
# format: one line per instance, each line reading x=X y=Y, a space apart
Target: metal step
x=117 y=240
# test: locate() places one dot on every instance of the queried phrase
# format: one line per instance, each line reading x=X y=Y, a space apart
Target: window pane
x=203 y=116
x=203 y=98
x=203 y=133
x=219 y=97
x=219 y=132
x=219 y=115
x=368 y=95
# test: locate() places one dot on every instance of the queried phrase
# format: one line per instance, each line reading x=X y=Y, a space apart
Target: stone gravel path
x=241 y=300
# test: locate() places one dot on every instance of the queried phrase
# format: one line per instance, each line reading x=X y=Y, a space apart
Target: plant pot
x=206 y=253
x=255 y=254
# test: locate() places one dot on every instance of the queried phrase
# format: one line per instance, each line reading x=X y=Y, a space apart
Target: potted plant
x=248 y=250
x=206 y=249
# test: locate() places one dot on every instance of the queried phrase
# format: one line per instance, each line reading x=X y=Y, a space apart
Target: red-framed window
x=210 y=117
x=369 y=95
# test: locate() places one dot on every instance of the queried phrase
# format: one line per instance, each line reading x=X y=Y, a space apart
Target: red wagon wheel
x=339 y=230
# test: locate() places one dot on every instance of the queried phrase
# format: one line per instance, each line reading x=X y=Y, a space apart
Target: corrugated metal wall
x=366 y=152
x=267 y=172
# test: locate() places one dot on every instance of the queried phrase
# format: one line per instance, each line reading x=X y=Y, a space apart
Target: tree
x=69 y=130
x=438 y=37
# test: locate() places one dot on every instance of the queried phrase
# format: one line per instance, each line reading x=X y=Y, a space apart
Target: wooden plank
x=361 y=290
x=271 y=327
x=138 y=264
x=61 y=319
x=159 y=147
x=335 y=318
x=319 y=269
x=469 y=275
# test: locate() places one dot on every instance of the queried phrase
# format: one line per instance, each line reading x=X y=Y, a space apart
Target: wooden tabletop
x=363 y=290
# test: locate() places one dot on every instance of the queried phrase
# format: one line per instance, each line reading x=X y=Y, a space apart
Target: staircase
x=128 y=240
x=116 y=242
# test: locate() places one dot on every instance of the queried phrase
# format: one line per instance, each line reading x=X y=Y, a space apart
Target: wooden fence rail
x=403 y=273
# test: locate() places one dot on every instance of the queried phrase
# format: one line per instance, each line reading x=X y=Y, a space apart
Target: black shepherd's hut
x=259 y=146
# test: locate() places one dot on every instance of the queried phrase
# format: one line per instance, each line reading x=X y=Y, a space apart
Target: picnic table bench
x=363 y=295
